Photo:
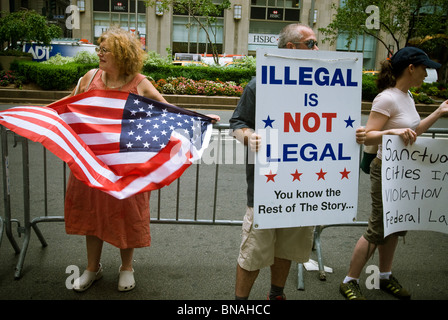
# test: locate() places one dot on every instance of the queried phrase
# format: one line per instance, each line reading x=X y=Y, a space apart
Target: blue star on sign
x=268 y=122
x=349 y=122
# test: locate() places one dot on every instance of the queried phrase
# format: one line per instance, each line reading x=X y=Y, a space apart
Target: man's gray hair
x=291 y=33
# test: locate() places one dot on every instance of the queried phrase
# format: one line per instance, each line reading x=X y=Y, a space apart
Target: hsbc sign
x=120 y=6
x=263 y=39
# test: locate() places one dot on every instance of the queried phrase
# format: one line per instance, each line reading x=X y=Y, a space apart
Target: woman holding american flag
x=120 y=139
x=92 y=212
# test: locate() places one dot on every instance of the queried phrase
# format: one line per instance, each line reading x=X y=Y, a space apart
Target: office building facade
x=239 y=30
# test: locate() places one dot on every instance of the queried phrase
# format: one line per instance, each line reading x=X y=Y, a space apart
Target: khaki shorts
x=260 y=246
x=375 y=230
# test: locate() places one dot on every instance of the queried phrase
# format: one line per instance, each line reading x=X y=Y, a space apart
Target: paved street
x=196 y=262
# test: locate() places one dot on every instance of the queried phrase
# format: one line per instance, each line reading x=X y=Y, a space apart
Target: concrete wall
x=236 y=30
x=158 y=31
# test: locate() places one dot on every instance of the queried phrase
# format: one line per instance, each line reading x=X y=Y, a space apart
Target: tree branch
x=380 y=40
x=391 y=33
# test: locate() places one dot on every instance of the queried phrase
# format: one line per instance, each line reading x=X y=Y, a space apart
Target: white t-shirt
x=399 y=107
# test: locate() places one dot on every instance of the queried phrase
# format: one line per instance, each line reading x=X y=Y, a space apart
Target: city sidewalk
x=194 y=262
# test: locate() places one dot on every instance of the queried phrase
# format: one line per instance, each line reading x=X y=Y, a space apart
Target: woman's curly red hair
x=126 y=49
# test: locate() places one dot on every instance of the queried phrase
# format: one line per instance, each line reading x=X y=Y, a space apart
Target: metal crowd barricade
x=222 y=130
x=31 y=224
x=25 y=228
x=28 y=224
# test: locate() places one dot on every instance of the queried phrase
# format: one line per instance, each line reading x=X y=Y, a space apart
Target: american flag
x=116 y=141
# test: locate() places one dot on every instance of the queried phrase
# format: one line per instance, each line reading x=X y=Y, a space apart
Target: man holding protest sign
x=275 y=247
x=393 y=113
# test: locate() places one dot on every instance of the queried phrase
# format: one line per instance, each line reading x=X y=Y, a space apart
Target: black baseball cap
x=411 y=55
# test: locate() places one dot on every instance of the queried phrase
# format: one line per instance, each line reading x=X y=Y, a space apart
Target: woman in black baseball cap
x=412 y=55
x=393 y=113
x=394 y=67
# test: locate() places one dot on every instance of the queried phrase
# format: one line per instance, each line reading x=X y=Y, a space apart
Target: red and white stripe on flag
x=118 y=142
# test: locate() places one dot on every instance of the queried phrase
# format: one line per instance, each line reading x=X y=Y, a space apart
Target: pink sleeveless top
x=131 y=86
x=88 y=211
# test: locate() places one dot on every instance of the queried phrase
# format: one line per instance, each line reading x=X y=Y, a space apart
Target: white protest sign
x=308 y=106
x=415 y=185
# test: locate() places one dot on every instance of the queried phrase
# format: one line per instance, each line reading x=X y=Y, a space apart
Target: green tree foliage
x=26 y=26
x=402 y=20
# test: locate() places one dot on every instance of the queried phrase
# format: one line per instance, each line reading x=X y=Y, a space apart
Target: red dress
x=88 y=211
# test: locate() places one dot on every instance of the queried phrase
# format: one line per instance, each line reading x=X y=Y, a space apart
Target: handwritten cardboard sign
x=415 y=185
x=308 y=109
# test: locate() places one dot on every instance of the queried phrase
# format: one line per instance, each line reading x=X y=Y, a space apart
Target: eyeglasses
x=101 y=50
x=309 y=43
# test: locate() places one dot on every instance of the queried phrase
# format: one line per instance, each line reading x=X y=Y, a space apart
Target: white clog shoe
x=126 y=281
x=87 y=279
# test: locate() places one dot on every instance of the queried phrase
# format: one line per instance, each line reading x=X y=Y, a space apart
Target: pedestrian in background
x=393 y=113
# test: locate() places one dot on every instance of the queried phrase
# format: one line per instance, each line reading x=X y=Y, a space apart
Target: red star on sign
x=296 y=176
x=344 y=173
x=321 y=175
x=270 y=176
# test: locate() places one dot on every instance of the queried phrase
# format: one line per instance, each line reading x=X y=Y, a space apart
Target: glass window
x=122 y=14
x=100 y=5
x=115 y=19
x=292 y=4
x=142 y=23
x=292 y=15
x=280 y=10
x=363 y=43
x=189 y=37
x=101 y=23
x=258 y=13
x=141 y=7
x=180 y=32
x=261 y=27
x=127 y=21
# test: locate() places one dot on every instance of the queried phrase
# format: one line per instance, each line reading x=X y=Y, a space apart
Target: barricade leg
x=301 y=283
x=1 y=231
x=37 y=220
x=318 y=245
x=26 y=241
x=318 y=248
x=26 y=208
x=6 y=223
